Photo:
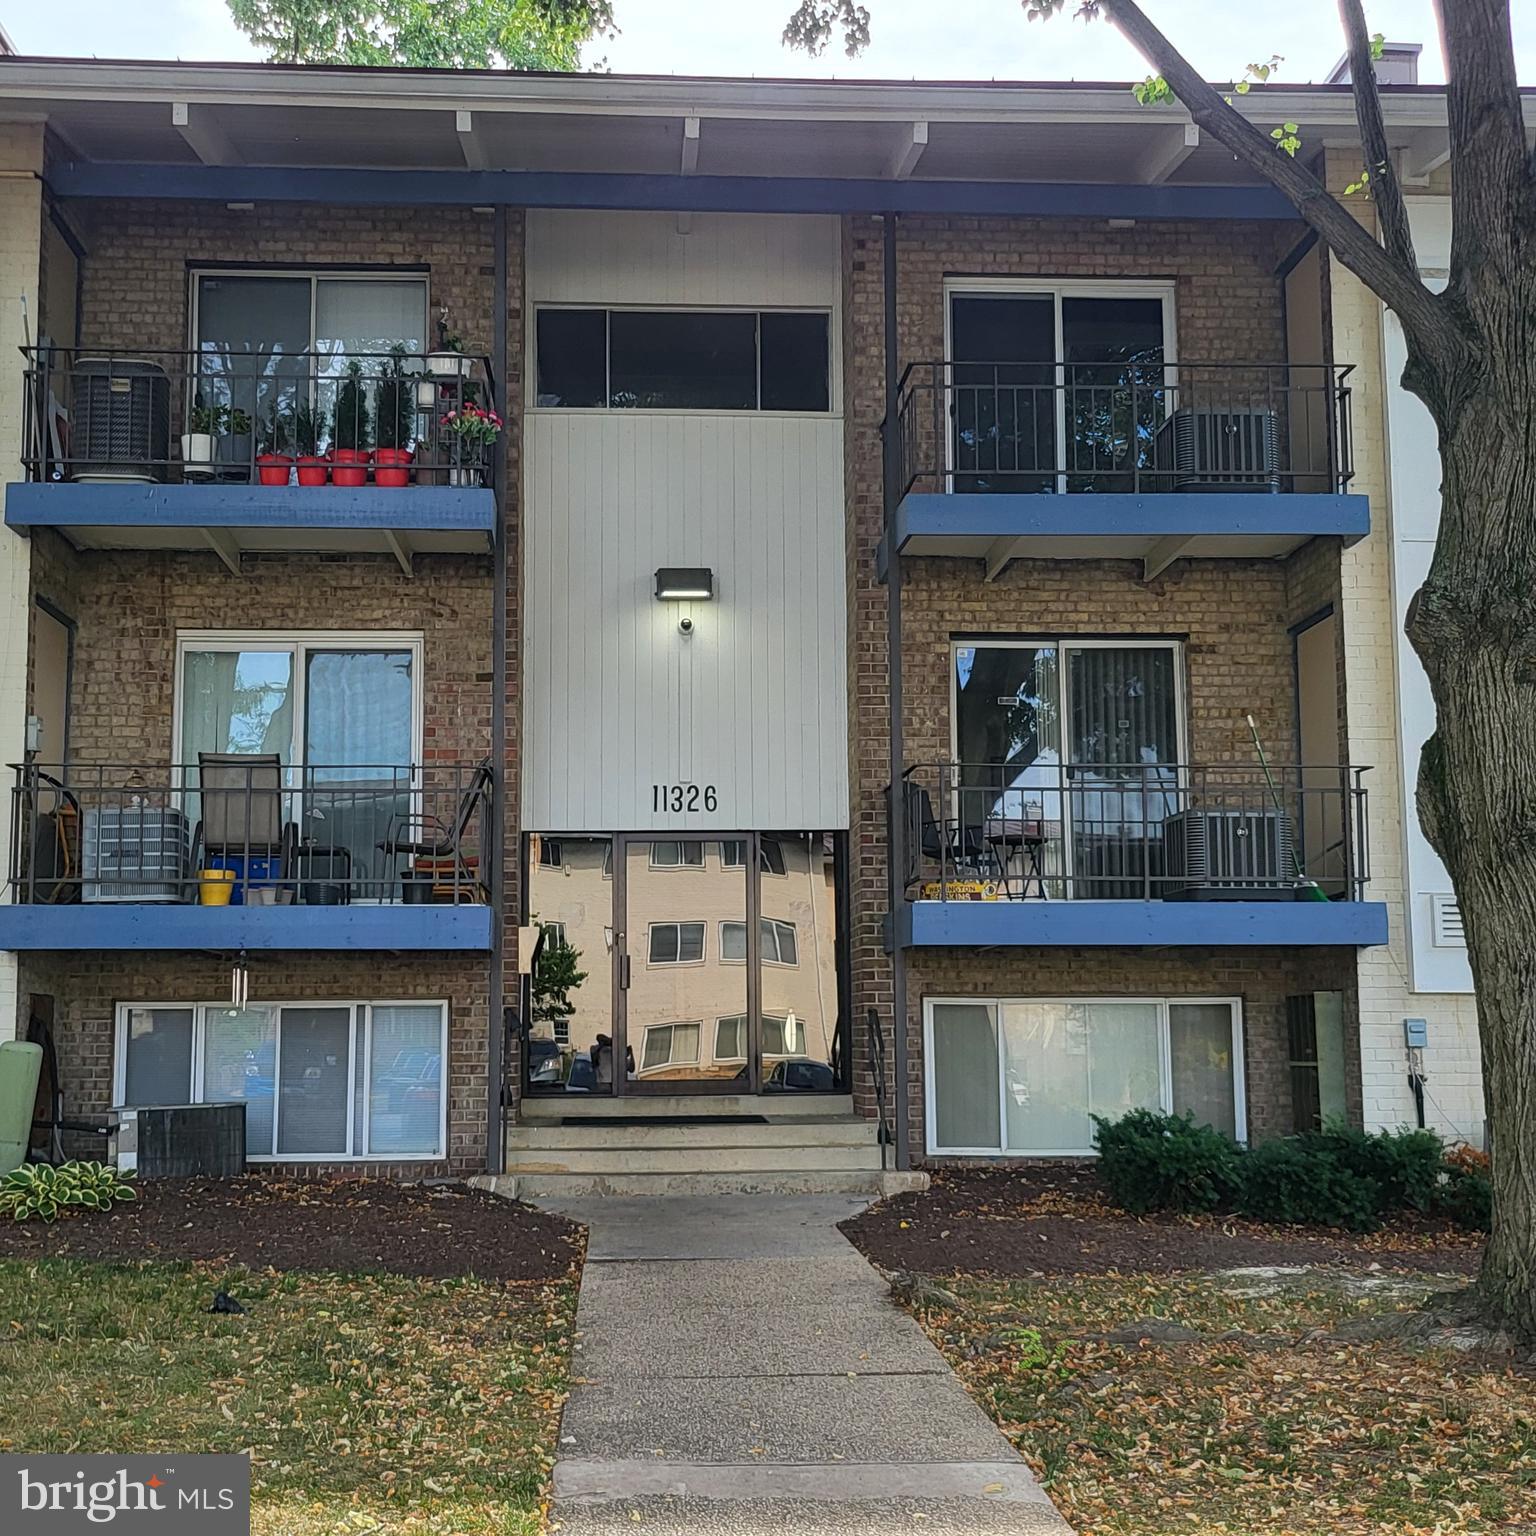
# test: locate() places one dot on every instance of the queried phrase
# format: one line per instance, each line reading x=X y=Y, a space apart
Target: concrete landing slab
x=683 y=1288
x=804 y=1517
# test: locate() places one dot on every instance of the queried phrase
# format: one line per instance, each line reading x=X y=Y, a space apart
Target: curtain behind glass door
x=1113 y=353
x=358 y=777
x=1002 y=407
x=1123 y=744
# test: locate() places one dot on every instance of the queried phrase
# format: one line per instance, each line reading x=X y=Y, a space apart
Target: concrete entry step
x=692 y=1106
x=846 y=1131
x=872 y=1184
x=623 y=1157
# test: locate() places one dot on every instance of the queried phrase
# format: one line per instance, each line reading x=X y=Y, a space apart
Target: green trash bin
x=20 y=1064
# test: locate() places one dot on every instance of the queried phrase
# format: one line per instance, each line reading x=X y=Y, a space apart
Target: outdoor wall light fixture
x=685 y=583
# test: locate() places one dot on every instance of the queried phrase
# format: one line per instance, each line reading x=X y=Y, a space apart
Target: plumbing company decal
x=170 y=1495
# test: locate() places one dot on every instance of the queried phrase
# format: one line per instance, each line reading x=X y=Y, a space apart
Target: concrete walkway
x=740 y=1367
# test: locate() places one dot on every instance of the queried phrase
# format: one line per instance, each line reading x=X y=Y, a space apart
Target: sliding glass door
x=1056 y=387
x=1069 y=757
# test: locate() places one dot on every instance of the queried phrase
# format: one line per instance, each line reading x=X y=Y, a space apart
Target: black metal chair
x=242 y=815
x=429 y=841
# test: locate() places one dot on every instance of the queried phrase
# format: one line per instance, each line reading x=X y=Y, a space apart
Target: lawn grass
x=367 y=1402
x=1272 y=1419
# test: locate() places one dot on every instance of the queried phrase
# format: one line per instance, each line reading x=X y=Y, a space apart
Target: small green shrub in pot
x=1157 y=1162
x=40 y=1191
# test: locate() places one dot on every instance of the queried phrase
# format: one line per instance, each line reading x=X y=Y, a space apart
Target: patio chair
x=956 y=849
x=242 y=815
x=437 y=847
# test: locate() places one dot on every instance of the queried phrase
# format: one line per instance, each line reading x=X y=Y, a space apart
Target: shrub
x=1406 y=1166
x=1156 y=1162
x=1307 y=1180
x=1465 y=1191
x=36 y=1189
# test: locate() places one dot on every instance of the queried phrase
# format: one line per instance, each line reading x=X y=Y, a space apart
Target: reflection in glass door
x=569 y=1038
x=686 y=973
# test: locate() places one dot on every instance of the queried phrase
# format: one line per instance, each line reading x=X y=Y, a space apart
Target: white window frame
x=672 y=1026
x=729 y=1018
x=360 y=1040
x=834 y=408
x=680 y=843
x=1165 y=1065
x=1062 y=644
x=778 y=924
x=1057 y=289
x=314 y=276
x=764 y=866
x=679 y=923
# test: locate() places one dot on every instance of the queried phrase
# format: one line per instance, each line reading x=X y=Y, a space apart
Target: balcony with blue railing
x=388 y=453
x=244 y=851
x=1156 y=462
x=1105 y=854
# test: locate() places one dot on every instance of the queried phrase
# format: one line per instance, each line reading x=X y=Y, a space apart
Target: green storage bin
x=20 y=1064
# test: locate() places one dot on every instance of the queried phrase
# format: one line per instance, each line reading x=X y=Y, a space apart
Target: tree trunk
x=1474 y=627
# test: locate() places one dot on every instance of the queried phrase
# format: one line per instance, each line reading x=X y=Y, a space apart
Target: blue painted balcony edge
x=402 y=509
x=114 y=926
x=1129 y=924
x=1170 y=514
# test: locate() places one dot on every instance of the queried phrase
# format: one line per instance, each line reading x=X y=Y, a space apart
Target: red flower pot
x=273 y=468
x=349 y=466
x=391 y=466
x=312 y=470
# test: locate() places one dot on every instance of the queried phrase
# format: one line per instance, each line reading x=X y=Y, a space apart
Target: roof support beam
x=224 y=544
x=690 y=146
x=400 y=548
x=1169 y=150
x=205 y=138
x=1001 y=554
x=1163 y=554
x=914 y=142
x=470 y=145
x=1424 y=154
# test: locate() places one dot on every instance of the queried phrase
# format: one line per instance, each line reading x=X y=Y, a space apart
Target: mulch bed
x=350 y=1225
x=1058 y=1221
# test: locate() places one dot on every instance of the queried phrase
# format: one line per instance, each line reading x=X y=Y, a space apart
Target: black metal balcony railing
x=249 y=832
x=1044 y=831
x=1136 y=427
x=98 y=414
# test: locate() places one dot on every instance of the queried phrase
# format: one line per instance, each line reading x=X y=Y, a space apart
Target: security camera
x=685 y=628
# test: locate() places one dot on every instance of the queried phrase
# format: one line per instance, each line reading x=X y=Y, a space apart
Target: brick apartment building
x=841 y=449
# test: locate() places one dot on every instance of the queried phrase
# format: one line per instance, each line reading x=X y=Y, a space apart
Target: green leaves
x=1154 y=91
x=38 y=1191
x=1287 y=137
x=1358 y=186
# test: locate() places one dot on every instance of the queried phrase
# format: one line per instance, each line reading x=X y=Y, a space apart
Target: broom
x=1314 y=891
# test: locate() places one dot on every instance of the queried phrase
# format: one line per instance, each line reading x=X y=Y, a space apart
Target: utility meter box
x=1416 y=1034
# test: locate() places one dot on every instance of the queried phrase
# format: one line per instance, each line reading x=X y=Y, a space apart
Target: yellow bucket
x=215 y=887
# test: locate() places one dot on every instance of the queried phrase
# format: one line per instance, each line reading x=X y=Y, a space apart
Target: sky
x=957 y=40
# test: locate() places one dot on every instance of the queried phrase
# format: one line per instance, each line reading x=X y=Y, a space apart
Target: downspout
x=496 y=838
x=895 y=820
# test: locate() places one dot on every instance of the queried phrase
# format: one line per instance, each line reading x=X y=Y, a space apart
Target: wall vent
x=1448 y=932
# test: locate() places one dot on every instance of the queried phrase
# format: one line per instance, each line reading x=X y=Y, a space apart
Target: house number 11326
x=684 y=797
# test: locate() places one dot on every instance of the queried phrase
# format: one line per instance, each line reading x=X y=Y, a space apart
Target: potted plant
x=204 y=423
x=470 y=430
x=274 y=462
x=354 y=430
x=395 y=412
x=308 y=433
x=235 y=444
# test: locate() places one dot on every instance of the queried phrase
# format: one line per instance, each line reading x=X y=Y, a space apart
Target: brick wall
x=87 y=988
x=1233 y=616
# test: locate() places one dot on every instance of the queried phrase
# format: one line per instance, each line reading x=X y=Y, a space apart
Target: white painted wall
x=615 y=699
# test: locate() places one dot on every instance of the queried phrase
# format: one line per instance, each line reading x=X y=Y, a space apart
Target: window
x=319 y=1080
x=343 y=714
x=1057 y=387
x=1081 y=739
x=683 y=359
x=781 y=1036
x=1025 y=1076
x=670 y=1045
x=778 y=939
x=554 y=935
x=549 y=852
x=674 y=855
x=770 y=856
x=676 y=943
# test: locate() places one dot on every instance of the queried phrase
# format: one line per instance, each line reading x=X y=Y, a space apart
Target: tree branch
x=1492 y=191
x=1395 y=283
x=1386 y=191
